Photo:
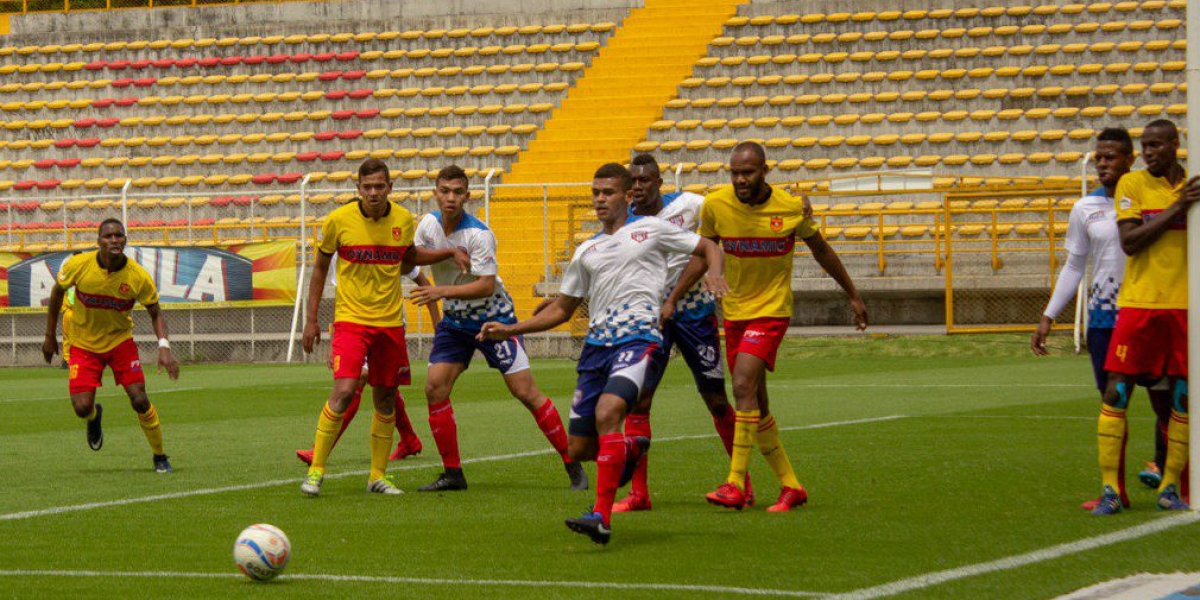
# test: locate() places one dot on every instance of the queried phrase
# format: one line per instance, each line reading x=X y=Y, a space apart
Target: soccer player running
x=373 y=239
x=1150 y=338
x=692 y=325
x=1092 y=231
x=469 y=300
x=757 y=225
x=622 y=271
x=107 y=285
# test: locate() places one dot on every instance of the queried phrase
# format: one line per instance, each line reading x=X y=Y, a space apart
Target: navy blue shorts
x=453 y=345
x=622 y=370
x=699 y=342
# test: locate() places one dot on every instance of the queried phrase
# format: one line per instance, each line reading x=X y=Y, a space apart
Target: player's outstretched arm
x=829 y=261
x=166 y=359
x=419 y=256
x=482 y=287
x=435 y=312
x=553 y=315
x=1064 y=291
x=316 y=287
x=1137 y=236
x=50 y=343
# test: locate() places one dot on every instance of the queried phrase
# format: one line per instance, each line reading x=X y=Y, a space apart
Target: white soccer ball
x=262 y=551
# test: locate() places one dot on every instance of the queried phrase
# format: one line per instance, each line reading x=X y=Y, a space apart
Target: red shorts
x=758 y=337
x=87 y=367
x=1149 y=341
x=382 y=349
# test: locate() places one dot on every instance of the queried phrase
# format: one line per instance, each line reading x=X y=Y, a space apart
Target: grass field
x=937 y=468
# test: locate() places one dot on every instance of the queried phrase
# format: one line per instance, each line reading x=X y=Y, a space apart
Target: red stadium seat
x=145 y=81
x=69 y=163
x=140 y=64
x=332 y=155
x=307 y=156
x=301 y=57
x=65 y=143
x=123 y=102
x=349 y=134
x=109 y=122
x=369 y=113
x=336 y=94
x=96 y=65
x=341 y=115
x=155 y=223
x=25 y=185
x=264 y=178
x=123 y=82
x=256 y=59
x=206 y=221
x=48 y=184
x=347 y=56
x=84 y=123
x=118 y=65
x=103 y=102
x=354 y=75
x=289 y=178
x=45 y=163
x=28 y=206
x=243 y=201
x=230 y=61
x=55 y=225
x=323 y=57
x=177 y=223
x=209 y=62
x=80 y=225
x=277 y=59
x=329 y=76
x=164 y=63
x=88 y=142
x=135 y=223
x=324 y=136
x=186 y=63
x=361 y=94
x=33 y=225
x=221 y=201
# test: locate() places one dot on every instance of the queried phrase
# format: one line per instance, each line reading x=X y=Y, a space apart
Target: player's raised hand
x=462 y=260
x=860 y=313
x=49 y=347
x=715 y=283
x=1191 y=192
x=494 y=331
x=425 y=294
x=166 y=360
x=312 y=335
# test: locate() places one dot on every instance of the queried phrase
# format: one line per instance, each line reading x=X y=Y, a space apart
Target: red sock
x=403 y=425
x=638 y=425
x=351 y=410
x=724 y=424
x=609 y=462
x=551 y=425
x=445 y=433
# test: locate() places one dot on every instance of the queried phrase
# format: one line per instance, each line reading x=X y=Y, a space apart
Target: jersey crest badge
x=125 y=289
x=676 y=220
x=639 y=236
x=1125 y=203
x=776 y=223
x=396 y=233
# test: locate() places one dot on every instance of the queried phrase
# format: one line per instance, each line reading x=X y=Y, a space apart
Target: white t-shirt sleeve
x=422 y=236
x=576 y=281
x=1076 y=240
x=1068 y=282
x=673 y=239
x=483 y=254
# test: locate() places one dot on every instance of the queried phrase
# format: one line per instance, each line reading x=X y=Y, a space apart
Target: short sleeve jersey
x=1156 y=277
x=759 y=241
x=1092 y=231
x=101 y=319
x=368 y=267
x=682 y=209
x=474 y=237
x=623 y=276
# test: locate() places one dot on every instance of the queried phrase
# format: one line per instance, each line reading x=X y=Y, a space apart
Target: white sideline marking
x=1020 y=560
x=671 y=587
x=29 y=514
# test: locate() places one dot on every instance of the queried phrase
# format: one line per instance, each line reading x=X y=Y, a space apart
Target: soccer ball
x=262 y=551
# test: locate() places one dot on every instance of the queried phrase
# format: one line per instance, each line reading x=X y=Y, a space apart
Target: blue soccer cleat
x=592 y=525
x=1151 y=476
x=1169 y=499
x=1109 y=502
x=161 y=464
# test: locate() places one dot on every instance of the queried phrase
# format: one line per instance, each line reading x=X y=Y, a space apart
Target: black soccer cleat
x=161 y=464
x=579 y=481
x=449 y=481
x=95 y=433
x=592 y=525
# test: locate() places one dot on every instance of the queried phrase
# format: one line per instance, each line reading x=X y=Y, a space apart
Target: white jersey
x=682 y=209
x=623 y=276
x=1092 y=231
x=474 y=237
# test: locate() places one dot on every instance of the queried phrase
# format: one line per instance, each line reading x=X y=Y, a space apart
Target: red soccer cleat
x=788 y=498
x=1091 y=505
x=407 y=447
x=728 y=495
x=632 y=503
x=305 y=456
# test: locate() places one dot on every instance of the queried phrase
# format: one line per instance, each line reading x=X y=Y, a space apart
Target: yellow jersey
x=100 y=318
x=759 y=243
x=368 y=267
x=1156 y=277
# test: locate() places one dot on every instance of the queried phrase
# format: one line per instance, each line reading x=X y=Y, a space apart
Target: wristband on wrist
x=163 y=343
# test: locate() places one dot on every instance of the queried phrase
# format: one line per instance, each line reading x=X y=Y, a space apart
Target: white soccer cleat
x=312 y=483
x=383 y=486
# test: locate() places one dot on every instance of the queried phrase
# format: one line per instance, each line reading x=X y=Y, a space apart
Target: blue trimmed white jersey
x=473 y=237
x=1092 y=231
x=682 y=209
x=623 y=276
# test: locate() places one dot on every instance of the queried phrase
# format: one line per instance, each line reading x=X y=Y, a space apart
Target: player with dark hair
x=1150 y=337
x=690 y=322
x=622 y=272
x=757 y=225
x=107 y=285
x=373 y=241
x=469 y=300
x=1092 y=232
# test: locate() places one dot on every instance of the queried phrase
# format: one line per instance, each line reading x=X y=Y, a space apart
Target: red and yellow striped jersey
x=369 y=254
x=759 y=241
